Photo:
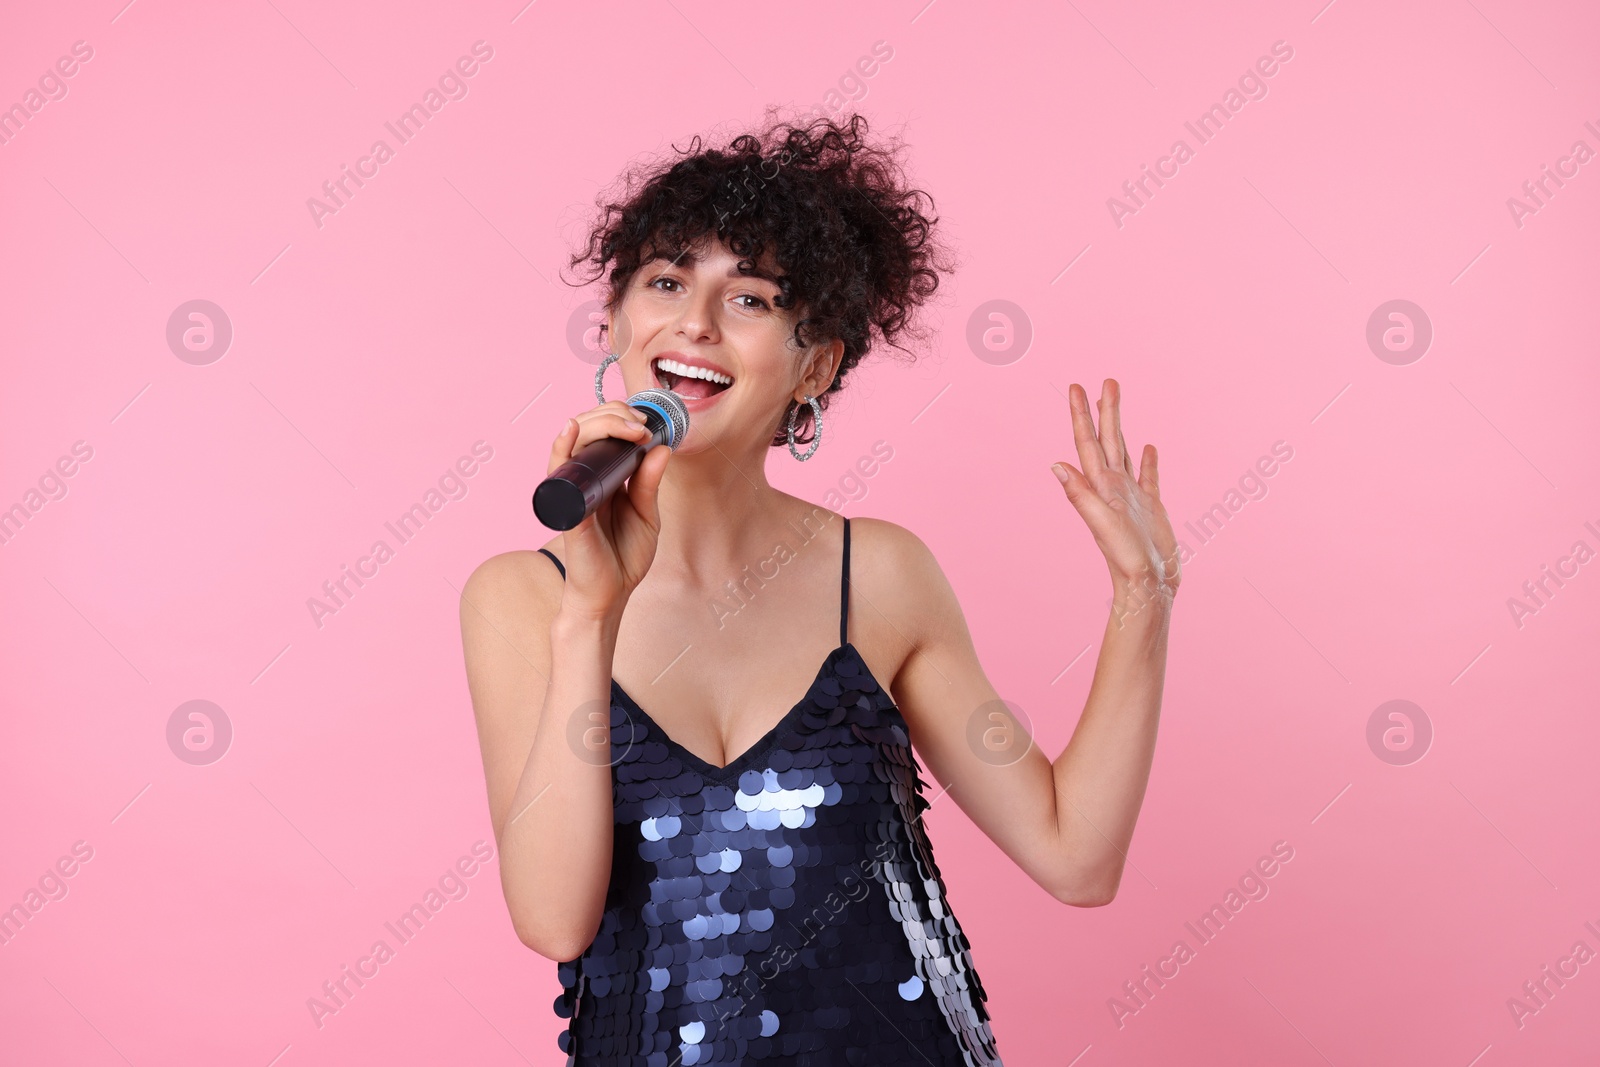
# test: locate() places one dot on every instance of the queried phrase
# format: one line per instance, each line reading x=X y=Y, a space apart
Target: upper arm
x=969 y=739
x=506 y=608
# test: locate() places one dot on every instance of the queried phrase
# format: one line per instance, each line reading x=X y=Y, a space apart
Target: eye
x=757 y=302
x=656 y=284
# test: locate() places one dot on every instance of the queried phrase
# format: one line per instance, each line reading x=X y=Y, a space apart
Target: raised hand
x=1123 y=511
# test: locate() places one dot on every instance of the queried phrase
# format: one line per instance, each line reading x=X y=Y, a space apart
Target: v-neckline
x=763 y=744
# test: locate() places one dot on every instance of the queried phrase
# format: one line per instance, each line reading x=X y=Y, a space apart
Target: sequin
x=785 y=908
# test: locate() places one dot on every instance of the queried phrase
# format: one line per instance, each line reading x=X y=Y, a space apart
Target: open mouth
x=691 y=383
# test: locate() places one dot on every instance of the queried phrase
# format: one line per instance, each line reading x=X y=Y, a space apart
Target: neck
x=718 y=512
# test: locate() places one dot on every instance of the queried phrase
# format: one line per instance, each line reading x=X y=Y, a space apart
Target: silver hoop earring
x=600 y=377
x=816 y=440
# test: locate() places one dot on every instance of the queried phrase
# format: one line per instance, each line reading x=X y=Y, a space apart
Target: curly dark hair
x=853 y=243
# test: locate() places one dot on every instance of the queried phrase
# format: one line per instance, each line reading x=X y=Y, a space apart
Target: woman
x=729 y=877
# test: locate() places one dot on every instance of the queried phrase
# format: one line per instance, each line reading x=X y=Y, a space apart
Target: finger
x=610 y=419
x=562 y=448
x=645 y=485
x=1149 y=476
x=1109 y=431
x=1089 y=451
x=622 y=407
x=1116 y=423
x=1080 y=493
x=1105 y=415
x=599 y=425
x=612 y=408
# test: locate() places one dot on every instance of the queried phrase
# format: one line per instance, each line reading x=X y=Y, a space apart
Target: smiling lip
x=697 y=403
x=693 y=361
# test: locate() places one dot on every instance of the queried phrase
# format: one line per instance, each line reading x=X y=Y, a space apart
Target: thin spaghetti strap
x=557 y=562
x=844 y=589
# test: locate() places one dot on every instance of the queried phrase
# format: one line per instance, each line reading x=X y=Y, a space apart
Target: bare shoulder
x=519 y=588
x=881 y=547
x=900 y=575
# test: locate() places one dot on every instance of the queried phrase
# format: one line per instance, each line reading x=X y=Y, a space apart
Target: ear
x=821 y=370
x=619 y=331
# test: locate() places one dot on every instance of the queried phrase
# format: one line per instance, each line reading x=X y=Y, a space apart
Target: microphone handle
x=575 y=489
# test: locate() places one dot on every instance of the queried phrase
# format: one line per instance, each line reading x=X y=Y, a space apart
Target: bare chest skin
x=717 y=671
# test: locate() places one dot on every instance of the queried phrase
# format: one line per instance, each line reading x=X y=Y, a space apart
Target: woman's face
x=715 y=337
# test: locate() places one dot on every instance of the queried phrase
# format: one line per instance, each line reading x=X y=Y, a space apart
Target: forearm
x=555 y=844
x=1101 y=776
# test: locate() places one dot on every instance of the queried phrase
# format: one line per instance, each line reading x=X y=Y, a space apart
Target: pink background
x=371 y=352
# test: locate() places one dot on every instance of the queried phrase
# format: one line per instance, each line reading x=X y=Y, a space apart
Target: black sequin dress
x=783 y=909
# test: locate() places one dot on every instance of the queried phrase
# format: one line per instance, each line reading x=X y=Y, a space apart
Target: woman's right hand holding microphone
x=609 y=552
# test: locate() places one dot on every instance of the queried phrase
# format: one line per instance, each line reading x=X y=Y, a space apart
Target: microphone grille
x=670 y=406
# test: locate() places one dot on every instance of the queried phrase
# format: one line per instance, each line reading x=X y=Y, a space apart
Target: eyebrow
x=688 y=258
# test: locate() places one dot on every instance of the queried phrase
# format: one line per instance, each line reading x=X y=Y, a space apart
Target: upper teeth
x=683 y=370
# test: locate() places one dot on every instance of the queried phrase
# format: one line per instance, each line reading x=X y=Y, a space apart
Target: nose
x=697 y=319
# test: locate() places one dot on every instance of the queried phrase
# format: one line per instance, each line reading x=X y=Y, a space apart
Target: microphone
x=576 y=488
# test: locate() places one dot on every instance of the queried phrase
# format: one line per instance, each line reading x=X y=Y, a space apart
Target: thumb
x=1079 y=492
x=1071 y=479
x=645 y=485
